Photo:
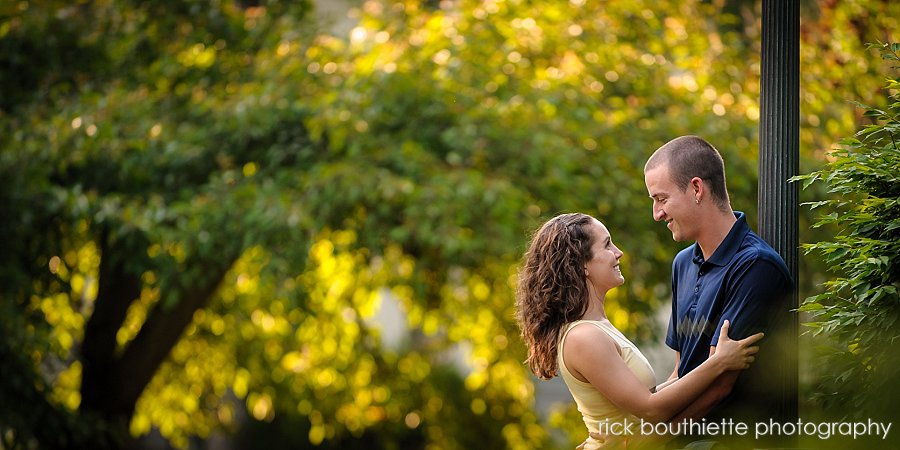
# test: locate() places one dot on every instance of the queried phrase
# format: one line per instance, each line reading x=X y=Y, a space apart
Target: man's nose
x=658 y=213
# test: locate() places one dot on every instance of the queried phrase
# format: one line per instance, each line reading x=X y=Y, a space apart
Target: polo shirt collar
x=729 y=245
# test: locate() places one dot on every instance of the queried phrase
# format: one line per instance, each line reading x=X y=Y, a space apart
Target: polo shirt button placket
x=697 y=286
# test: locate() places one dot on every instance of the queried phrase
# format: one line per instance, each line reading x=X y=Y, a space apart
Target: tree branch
x=161 y=331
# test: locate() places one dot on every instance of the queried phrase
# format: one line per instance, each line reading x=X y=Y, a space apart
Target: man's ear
x=697 y=185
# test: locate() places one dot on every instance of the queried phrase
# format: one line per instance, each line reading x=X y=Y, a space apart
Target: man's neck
x=716 y=228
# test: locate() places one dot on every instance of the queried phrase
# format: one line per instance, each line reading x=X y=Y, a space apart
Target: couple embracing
x=730 y=304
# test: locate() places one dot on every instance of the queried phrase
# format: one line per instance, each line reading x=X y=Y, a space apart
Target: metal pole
x=779 y=155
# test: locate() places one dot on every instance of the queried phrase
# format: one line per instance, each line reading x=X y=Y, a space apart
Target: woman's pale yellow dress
x=596 y=409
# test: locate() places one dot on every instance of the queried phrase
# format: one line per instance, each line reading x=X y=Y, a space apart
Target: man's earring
x=697 y=200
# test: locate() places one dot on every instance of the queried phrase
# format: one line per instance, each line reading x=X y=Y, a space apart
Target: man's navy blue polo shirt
x=744 y=281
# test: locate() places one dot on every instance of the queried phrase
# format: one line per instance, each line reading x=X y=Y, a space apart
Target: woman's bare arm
x=592 y=356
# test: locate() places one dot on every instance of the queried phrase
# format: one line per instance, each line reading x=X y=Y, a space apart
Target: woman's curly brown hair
x=552 y=288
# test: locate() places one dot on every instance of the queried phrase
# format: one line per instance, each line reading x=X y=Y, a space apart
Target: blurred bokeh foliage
x=207 y=206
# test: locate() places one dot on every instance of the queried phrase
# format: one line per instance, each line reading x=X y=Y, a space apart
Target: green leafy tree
x=857 y=312
x=131 y=196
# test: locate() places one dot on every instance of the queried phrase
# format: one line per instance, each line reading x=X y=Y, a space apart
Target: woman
x=570 y=265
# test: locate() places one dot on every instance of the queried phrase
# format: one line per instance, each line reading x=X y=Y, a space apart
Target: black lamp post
x=779 y=154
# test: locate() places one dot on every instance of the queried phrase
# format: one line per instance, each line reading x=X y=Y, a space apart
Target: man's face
x=671 y=204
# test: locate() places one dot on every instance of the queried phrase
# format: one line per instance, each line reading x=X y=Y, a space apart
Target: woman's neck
x=596 y=310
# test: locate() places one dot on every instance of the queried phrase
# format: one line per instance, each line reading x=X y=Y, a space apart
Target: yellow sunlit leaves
x=358 y=35
x=54 y=264
x=316 y=434
x=294 y=362
x=316 y=355
x=430 y=325
x=478 y=406
x=240 y=383
x=571 y=65
x=66 y=389
x=260 y=406
x=304 y=407
x=175 y=407
x=476 y=380
x=225 y=413
x=414 y=367
x=173 y=249
x=249 y=169
x=140 y=425
x=269 y=324
x=620 y=319
x=198 y=55
x=217 y=326
x=63 y=312
x=284 y=48
x=752 y=112
x=137 y=313
x=412 y=420
x=441 y=57
x=155 y=130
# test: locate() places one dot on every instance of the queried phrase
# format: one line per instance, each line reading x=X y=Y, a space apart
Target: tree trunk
x=113 y=381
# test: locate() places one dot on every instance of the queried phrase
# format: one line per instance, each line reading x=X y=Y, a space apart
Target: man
x=728 y=273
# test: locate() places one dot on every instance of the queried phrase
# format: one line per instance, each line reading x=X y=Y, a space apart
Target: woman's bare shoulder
x=588 y=337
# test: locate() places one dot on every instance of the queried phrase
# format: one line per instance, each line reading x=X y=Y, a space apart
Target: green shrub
x=857 y=313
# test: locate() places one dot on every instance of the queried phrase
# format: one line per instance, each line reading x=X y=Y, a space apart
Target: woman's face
x=602 y=270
